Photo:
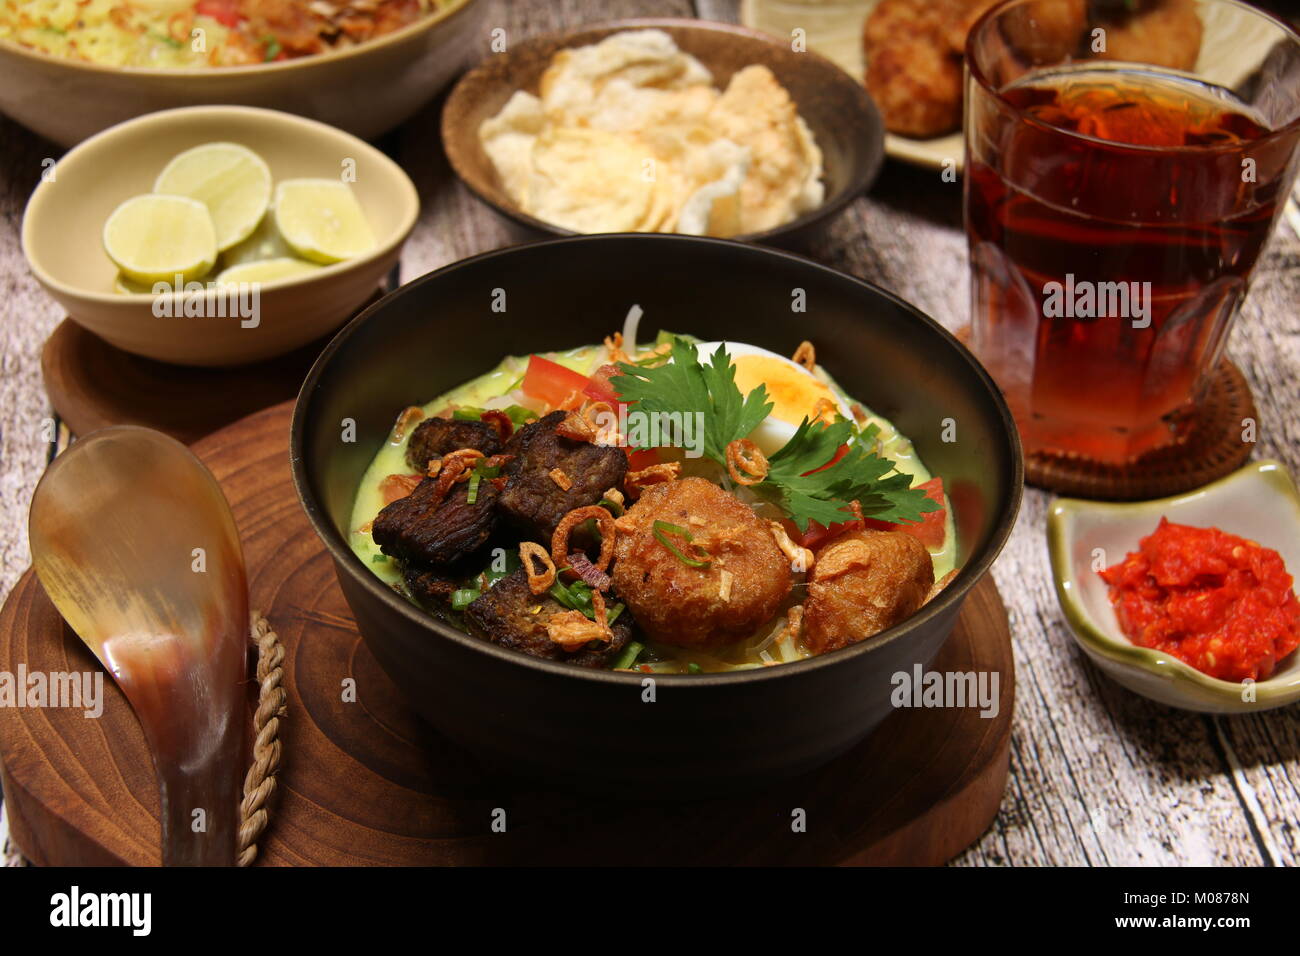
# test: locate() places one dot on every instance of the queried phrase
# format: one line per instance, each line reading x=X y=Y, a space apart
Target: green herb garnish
x=272 y=48
x=629 y=655
x=687 y=386
x=163 y=38
x=694 y=668
x=462 y=598
x=662 y=529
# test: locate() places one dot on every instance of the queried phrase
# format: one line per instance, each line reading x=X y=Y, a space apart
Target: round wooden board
x=367 y=783
x=93 y=384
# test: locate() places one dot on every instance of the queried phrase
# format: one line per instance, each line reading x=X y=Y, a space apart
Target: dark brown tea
x=1114 y=217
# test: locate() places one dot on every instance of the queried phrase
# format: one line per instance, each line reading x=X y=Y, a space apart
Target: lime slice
x=265 y=243
x=155 y=238
x=321 y=220
x=231 y=180
x=268 y=270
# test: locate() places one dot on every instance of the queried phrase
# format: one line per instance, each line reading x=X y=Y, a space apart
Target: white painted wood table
x=1098 y=775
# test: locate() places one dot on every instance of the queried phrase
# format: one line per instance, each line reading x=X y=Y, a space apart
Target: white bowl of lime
x=217 y=235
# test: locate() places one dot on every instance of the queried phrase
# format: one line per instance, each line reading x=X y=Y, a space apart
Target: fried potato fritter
x=1160 y=32
x=864 y=582
x=912 y=72
x=741 y=589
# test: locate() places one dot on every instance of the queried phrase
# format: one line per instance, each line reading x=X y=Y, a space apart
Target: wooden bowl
x=705 y=733
x=69 y=100
x=839 y=112
x=65 y=217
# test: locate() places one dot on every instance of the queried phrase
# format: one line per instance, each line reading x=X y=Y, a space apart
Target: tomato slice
x=552 y=383
x=598 y=386
x=930 y=529
x=641 y=458
x=225 y=12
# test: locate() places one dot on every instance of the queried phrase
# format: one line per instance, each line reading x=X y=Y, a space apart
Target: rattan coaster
x=1214 y=447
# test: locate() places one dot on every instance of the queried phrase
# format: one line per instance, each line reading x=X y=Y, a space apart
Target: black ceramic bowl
x=595 y=729
x=837 y=108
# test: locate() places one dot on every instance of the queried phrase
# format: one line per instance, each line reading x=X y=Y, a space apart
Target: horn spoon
x=135 y=544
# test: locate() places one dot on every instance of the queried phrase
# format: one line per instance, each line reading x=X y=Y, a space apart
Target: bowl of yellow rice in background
x=74 y=67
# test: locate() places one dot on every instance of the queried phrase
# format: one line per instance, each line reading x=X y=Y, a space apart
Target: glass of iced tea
x=1125 y=163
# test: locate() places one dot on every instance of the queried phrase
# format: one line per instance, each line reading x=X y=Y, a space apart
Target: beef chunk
x=504 y=615
x=531 y=499
x=435 y=437
x=421 y=529
x=430 y=587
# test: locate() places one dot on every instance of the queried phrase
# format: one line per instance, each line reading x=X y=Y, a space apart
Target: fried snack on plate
x=1046 y=31
x=864 y=582
x=912 y=72
x=695 y=604
x=1160 y=32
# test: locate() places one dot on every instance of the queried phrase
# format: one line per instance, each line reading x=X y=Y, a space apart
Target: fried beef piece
x=435 y=437
x=532 y=500
x=510 y=615
x=430 y=587
x=439 y=534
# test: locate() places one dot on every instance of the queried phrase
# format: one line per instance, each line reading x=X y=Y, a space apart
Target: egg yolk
x=792 y=392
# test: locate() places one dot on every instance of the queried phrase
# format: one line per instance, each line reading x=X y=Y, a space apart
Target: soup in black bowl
x=658 y=674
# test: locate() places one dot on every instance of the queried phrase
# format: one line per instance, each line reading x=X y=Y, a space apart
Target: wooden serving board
x=93 y=384
x=367 y=783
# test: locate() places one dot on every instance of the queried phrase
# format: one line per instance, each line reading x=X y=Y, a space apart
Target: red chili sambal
x=1215 y=600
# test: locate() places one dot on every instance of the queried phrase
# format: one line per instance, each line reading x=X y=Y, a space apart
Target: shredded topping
x=539 y=582
x=560 y=478
x=614 y=495
x=398 y=486
x=572 y=629
x=500 y=421
x=603 y=421
x=724 y=585
x=405 y=420
x=604 y=523
x=825 y=411
x=576 y=427
x=805 y=355
x=801 y=559
x=614 y=343
x=637 y=481
x=581 y=565
x=746 y=464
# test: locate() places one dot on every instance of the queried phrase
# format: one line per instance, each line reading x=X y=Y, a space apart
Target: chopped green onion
x=662 y=529
x=376 y=558
x=163 y=38
x=468 y=414
x=471 y=496
x=613 y=614
x=462 y=598
x=272 y=47
x=629 y=655
x=613 y=507
x=694 y=668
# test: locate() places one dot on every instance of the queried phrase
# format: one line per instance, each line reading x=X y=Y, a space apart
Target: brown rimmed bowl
x=838 y=110
x=594 y=730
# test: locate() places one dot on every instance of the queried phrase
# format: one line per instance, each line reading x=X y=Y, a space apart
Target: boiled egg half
x=793 y=391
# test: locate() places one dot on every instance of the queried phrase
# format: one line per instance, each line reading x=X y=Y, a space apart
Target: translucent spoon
x=134 y=543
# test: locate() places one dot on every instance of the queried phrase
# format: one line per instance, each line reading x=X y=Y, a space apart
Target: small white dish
x=1258 y=502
